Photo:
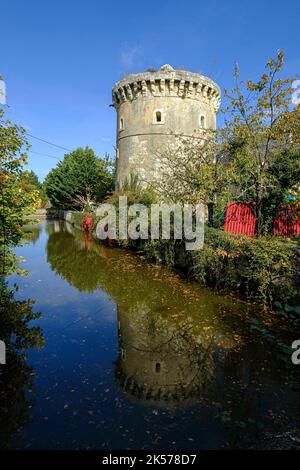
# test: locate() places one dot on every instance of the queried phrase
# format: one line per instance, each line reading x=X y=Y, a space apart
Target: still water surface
x=135 y=357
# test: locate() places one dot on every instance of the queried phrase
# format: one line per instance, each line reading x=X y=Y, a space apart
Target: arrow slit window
x=202 y=121
x=158 y=116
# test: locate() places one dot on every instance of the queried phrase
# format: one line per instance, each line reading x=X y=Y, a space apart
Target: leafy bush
x=263 y=269
x=134 y=191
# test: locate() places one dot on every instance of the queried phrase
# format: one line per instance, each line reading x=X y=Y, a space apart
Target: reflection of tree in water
x=162 y=363
x=169 y=331
x=88 y=266
x=71 y=258
x=172 y=357
x=31 y=233
x=176 y=341
x=16 y=377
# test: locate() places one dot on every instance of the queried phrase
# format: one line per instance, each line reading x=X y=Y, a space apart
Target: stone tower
x=157 y=108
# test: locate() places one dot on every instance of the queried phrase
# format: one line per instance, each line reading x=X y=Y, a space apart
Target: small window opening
x=121 y=123
x=158 y=116
x=157 y=367
x=202 y=122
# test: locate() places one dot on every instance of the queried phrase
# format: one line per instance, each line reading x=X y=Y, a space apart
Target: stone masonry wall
x=156 y=110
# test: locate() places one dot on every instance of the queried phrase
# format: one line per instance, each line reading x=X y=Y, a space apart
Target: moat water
x=135 y=357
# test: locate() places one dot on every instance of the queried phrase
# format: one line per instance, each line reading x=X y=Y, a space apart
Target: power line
x=47 y=142
x=44 y=154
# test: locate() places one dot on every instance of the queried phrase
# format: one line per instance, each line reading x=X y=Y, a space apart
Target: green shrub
x=265 y=270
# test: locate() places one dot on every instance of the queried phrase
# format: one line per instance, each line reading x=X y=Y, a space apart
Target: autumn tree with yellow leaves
x=17 y=196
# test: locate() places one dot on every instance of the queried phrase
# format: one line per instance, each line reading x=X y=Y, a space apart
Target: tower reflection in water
x=161 y=362
x=168 y=330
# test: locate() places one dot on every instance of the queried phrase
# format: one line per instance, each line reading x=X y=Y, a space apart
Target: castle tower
x=155 y=109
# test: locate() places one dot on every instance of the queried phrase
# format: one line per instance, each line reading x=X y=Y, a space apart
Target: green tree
x=16 y=198
x=32 y=182
x=285 y=172
x=195 y=171
x=33 y=179
x=259 y=127
x=81 y=179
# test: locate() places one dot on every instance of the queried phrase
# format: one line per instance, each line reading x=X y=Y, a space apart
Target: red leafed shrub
x=87 y=223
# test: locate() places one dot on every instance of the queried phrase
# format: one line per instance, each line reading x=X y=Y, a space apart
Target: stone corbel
x=181 y=88
x=190 y=90
x=122 y=93
x=172 y=92
x=152 y=86
x=198 y=90
x=129 y=92
x=115 y=98
x=144 y=88
x=135 y=89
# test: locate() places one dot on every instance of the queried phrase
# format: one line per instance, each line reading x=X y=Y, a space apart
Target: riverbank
x=264 y=270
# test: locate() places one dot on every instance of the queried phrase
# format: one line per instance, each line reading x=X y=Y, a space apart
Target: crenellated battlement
x=167 y=82
x=161 y=396
x=155 y=109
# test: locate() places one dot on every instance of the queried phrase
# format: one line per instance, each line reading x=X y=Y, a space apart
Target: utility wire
x=44 y=155
x=47 y=142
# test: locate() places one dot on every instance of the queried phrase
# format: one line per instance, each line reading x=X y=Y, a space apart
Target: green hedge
x=265 y=270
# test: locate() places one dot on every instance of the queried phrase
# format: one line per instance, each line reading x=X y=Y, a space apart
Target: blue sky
x=60 y=59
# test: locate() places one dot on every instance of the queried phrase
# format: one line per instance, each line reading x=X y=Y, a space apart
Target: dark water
x=135 y=357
